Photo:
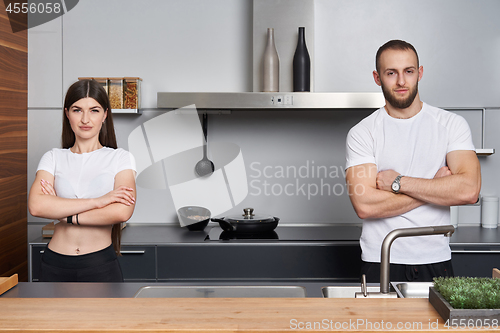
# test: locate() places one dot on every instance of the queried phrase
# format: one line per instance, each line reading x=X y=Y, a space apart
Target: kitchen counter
x=165 y=253
x=223 y=314
x=478 y=236
x=162 y=253
x=129 y=289
x=109 y=307
x=162 y=234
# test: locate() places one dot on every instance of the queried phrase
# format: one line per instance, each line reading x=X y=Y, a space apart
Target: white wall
x=200 y=45
x=458 y=42
x=189 y=45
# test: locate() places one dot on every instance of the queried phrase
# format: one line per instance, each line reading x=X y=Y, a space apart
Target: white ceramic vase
x=271 y=77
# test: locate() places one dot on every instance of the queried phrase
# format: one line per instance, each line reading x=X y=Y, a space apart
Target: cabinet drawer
x=138 y=263
x=475 y=263
x=36 y=255
x=271 y=262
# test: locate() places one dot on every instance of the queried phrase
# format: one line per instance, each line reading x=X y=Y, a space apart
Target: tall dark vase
x=301 y=64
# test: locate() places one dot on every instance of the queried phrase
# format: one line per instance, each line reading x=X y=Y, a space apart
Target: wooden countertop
x=223 y=314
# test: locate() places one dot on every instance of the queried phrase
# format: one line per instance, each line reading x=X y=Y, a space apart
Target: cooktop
x=290 y=233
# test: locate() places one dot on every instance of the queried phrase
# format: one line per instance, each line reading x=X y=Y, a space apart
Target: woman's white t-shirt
x=415 y=147
x=87 y=175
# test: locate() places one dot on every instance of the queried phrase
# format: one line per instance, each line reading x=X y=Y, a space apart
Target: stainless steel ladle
x=204 y=167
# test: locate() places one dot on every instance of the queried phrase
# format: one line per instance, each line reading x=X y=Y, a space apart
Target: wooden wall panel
x=13 y=149
x=12 y=164
x=13 y=192
x=12 y=65
x=14 y=249
x=12 y=103
x=17 y=41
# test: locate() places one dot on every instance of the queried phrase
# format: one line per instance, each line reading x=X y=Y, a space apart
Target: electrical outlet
x=277 y=100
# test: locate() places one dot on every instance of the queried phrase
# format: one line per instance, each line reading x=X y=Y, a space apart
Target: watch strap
x=398 y=181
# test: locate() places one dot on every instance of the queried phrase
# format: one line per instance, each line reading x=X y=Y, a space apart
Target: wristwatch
x=396 y=185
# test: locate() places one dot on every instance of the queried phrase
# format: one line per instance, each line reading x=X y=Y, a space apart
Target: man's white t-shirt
x=414 y=147
x=87 y=175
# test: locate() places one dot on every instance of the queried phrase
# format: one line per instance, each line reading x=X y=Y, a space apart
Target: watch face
x=395 y=186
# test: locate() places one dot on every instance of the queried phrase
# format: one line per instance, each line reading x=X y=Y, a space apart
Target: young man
x=406 y=164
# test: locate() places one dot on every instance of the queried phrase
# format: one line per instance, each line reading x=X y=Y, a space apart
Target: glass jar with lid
x=115 y=92
x=131 y=92
x=103 y=81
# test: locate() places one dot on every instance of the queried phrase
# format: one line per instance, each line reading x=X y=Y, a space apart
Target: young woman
x=89 y=186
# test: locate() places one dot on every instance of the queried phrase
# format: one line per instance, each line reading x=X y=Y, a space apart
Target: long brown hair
x=92 y=88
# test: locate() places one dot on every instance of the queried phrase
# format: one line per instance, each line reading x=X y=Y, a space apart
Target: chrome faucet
x=385 y=256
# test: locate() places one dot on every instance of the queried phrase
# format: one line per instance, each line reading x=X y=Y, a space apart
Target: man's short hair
x=394 y=44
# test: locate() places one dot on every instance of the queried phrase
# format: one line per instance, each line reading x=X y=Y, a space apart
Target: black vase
x=301 y=64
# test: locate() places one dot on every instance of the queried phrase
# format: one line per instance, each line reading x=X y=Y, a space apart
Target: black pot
x=227 y=235
x=248 y=223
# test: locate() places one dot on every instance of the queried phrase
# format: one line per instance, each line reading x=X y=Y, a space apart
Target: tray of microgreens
x=463 y=301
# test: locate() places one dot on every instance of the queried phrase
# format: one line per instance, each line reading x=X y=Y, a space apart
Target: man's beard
x=398 y=102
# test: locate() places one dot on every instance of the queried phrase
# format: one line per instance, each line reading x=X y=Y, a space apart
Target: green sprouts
x=469 y=292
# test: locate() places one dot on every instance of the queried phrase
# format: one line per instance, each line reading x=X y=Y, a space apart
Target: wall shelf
x=485 y=151
x=271 y=101
x=129 y=111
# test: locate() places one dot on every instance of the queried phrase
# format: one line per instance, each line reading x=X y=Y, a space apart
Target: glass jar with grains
x=131 y=92
x=115 y=93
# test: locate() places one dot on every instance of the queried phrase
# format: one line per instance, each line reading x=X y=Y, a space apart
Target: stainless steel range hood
x=271 y=101
x=285 y=19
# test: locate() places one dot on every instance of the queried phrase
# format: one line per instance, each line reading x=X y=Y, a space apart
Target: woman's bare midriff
x=77 y=240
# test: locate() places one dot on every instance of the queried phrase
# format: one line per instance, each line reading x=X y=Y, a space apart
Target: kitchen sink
x=220 y=291
x=345 y=291
x=403 y=290
x=412 y=289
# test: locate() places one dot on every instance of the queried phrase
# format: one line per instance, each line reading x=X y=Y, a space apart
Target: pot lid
x=249 y=216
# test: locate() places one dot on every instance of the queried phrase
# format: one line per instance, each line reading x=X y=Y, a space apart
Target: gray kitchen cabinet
x=138 y=263
x=169 y=253
x=173 y=262
x=476 y=262
x=34 y=267
x=475 y=251
x=273 y=261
